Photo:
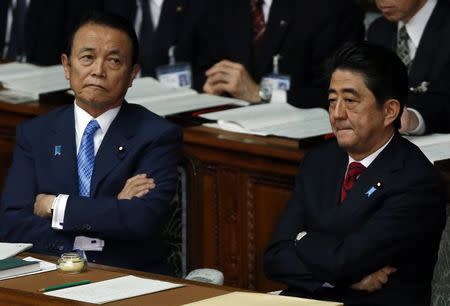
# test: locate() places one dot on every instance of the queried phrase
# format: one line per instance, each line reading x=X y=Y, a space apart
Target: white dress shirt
x=82 y=119
x=155 y=12
x=415 y=28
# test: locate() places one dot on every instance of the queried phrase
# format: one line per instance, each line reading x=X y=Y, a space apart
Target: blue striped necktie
x=86 y=158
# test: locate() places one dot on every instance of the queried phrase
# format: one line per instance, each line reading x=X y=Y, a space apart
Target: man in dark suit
x=45 y=27
x=80 y=177
x=172 y=28
x=234 y=53
x=364 y=223
x=425 y=26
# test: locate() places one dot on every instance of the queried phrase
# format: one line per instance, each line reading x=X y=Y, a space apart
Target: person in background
x=36 y=31
x=365 y=219
x=237 y=41
x=418 y=31
x=80 y=178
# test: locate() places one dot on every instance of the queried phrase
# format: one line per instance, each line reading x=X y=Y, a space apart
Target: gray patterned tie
x=402 y=46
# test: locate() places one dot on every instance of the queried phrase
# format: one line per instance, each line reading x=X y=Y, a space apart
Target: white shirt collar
x=416 y=25
x=369 y=159
x=82 y=119
x=157 y=2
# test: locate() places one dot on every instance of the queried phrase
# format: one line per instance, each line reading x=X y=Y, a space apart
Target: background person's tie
x=86 y=159
x=354 y=170
x=259 y=24
x=403 y=47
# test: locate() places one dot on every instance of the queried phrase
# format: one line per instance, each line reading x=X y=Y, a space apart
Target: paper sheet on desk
x=113 y=289
x=259 y=299
x=434 y=146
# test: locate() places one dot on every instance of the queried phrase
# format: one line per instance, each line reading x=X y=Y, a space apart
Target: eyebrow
x=345 y=90
x=84 y=49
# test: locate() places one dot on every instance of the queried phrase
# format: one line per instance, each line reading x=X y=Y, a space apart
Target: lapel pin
x=57 y=150
x=372 y=189
x=120 y=149
x=179 y=8
x=283 y=23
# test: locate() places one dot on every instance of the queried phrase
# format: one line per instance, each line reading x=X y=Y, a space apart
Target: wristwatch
x=265 y=93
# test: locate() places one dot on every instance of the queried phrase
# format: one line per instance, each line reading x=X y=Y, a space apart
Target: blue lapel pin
x=57 y=150
x=372 y=189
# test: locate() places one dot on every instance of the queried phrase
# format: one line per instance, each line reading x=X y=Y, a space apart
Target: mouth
x=95 y=86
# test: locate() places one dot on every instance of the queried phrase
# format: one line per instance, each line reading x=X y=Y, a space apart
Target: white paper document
x=435 y=146
x=45 y=266
x=12 y=249
x=259 y=299
x=113 y=289
x=164 y=100
x=273 y=119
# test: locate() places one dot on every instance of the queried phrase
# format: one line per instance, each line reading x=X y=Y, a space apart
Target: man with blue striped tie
x=80 y=178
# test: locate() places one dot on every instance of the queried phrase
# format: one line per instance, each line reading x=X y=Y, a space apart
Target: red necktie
x=354 y=170
x=259 y=25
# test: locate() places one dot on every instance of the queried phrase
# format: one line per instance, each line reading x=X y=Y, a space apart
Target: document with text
x=273 y=119
x=113 y=289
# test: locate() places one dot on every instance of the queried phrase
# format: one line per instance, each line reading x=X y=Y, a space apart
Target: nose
x=98 y=68
x=339 y=110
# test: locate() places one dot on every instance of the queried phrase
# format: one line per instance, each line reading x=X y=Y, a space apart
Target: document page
x=434 y=146
x=274 y=119
x=113 y=289
x=12 y=249
x=259 y=299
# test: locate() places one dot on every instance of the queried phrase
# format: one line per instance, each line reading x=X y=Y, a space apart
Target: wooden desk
x=24 y=290
x=238 y=186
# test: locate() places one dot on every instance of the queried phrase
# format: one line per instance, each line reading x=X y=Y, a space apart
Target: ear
x=134 y=72
x=391 y=109
x=66 y=65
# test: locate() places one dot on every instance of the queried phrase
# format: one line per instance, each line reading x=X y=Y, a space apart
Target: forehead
x=101 y=37
x=347 y=79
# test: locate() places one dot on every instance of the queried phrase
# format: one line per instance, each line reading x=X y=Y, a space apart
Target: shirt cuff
x=420 y=129
x=59 y=209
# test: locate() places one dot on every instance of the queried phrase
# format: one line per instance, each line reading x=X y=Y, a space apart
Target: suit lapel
x=114 y=147
x=429 y=44
x=374 y=182
x=280 y=19
x=62 y=152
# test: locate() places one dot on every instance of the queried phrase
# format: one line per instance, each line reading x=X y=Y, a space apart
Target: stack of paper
x=435 y=146
x=164 y=100
x=273 y=119
x=12 y=267
x=259 y=299
x=30 y=80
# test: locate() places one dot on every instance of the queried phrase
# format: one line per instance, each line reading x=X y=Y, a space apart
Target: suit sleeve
x=138 y=218
x=409 y=217
x=344 y=23
x=281 y=262
x=18 y=222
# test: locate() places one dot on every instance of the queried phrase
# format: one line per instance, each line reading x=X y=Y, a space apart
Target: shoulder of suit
x=48 y=118
x=147 y=118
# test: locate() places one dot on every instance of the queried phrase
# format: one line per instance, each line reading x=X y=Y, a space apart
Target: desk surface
x=24 y=290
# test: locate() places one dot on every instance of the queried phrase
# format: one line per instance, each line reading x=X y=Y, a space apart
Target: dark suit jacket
x=399 y=225
x=304 y=33
x=131 y=228
x=431 y=64
x=47 y=27
x=174 y=28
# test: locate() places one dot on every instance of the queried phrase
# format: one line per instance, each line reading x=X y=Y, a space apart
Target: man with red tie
x=364 y=223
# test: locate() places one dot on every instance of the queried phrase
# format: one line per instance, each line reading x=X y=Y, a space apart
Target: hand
x=136 y=186
x=374 y=281
x=232 y=78
x=43 y=205
x=409 y=121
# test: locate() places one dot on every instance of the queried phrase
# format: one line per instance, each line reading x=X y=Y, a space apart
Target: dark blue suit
x=398 y=225
x=131 y=228
x=431 y=64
